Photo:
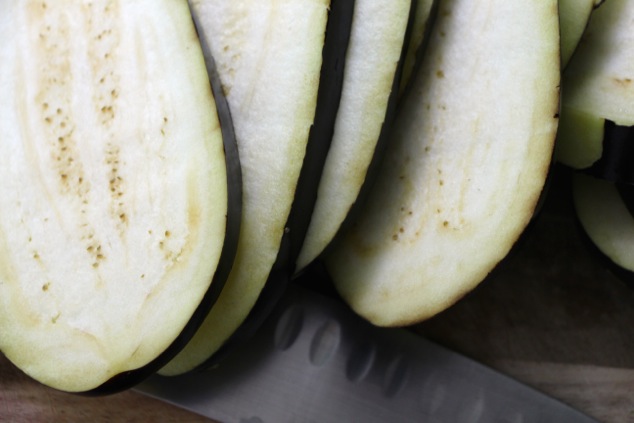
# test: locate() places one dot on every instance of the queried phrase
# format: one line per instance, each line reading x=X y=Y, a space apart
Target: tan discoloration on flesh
x=114 y=151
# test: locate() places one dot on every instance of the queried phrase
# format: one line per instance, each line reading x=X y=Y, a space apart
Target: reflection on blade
x=315 y=361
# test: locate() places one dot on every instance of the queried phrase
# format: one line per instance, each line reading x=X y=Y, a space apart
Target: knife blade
x=314 y=360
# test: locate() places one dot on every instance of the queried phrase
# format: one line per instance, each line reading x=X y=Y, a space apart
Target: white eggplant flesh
x=268 y=55
x=114 y=186
x=465 y=168
x=598 y=84
x=372 y=62
x=423 y=19
x=574 y=17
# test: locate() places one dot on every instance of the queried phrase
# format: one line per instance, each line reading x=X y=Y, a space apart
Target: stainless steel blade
x=315 y=361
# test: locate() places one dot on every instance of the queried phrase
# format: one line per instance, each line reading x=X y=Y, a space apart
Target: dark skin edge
x=331 y=80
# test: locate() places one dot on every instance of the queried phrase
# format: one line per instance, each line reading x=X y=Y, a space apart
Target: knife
x=314 y=360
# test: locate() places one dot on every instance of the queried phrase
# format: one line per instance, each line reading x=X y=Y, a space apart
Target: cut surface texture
x=114 y=190
x=605 y=218
x=268 y=56
x=598 y=84
x=372 y=59
x=574 y=17
x=422 y=21
x=464 y=170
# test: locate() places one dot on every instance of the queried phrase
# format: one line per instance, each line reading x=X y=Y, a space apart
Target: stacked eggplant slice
x=605 y=211
x=598 y=89
x=597 y=133
x=118 y=197
x=379 y=41
x=169 y=167
x=574 y=16
x=468 y=160
x=281 y=69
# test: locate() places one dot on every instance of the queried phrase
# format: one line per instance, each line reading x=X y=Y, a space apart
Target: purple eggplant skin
x=131 y=378
x=617 y=159
x=331 y=80
x=383 y=141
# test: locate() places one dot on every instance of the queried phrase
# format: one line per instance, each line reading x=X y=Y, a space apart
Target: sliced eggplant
x=114 y=198
x=598 y=86
x=605 y=212
x=281 y=67
x=574 y=16
x=368 y=100
x=423 y=20
x=465 y=168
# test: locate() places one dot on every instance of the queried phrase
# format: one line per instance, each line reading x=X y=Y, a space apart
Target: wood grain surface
x=551 y=316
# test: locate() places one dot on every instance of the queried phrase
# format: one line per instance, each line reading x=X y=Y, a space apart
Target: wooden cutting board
x=552 y=316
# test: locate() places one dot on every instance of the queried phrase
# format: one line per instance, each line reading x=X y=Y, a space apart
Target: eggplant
x=574 y=17
x=424 y=13
x=605 y=211
x=464 y=169
x=373 y=63
x=119 y=203
x=597 y=88
x=281 y=65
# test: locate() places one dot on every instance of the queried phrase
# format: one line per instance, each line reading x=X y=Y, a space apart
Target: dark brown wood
x=24 y=400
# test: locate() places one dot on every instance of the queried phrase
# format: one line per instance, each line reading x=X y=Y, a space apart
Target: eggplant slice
x=281 y=66
x=424 y=14
x=464 y=170
x=574 y=17
x=372 y=72
x=605 y=212
x=598 y=86
x=115 y=189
